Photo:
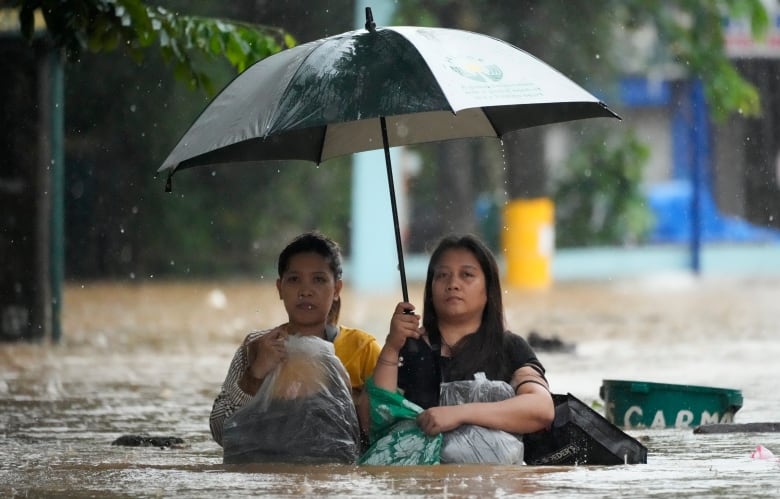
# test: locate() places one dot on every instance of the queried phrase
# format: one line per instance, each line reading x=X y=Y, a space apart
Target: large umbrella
x=379 y=88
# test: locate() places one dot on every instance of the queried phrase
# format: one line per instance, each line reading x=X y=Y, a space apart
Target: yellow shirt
x=358 y=351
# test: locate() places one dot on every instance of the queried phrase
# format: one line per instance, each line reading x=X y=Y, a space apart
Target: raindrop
x=598 y=56
x=132 y=275
x=330 y=113
x=77 y=189
x=121 y=230
x=213 y=173
x=173 y=263
x=135 y=210
x=306 y=487
x=132 y=108
x=126 y=255
x=217 y=299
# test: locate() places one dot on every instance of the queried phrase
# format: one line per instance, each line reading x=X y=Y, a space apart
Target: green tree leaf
x=107 y=25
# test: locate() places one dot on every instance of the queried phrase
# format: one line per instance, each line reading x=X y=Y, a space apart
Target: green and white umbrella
x=375 y=89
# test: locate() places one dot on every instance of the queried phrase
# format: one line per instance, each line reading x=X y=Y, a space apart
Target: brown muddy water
x=149 y=358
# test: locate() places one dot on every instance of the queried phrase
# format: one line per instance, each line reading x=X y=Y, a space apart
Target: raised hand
x=266 y=352
x=403 y=325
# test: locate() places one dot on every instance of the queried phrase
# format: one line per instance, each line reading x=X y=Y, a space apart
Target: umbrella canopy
x=379 y=88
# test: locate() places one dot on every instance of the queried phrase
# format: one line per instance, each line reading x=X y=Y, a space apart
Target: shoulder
x=355 y=335
x=356 y=340
x=515 y=340
x=519 y=349
x=521 y=353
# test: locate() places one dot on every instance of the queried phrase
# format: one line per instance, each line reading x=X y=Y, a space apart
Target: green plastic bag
x=395 y=437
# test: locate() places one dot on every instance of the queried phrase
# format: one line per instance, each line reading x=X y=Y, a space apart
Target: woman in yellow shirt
x=309 y=284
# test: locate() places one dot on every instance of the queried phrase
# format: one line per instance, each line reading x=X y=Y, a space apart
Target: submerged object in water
x=632 y=404
x=148 y=441
x=761 y=452
x=738 y=428
x=549 y=344
x=581 y=436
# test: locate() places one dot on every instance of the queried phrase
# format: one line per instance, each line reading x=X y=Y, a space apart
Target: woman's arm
x=231 y=397
x=358 y=351
x=531 y=410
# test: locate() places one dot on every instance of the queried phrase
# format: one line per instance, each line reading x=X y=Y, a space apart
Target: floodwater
x=148 y=358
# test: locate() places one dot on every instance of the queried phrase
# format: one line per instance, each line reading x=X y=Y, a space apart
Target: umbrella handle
x=396 y=223
x=370 y=24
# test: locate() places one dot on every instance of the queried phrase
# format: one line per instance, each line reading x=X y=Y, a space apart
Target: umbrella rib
x=321 y=147
x=492 y=123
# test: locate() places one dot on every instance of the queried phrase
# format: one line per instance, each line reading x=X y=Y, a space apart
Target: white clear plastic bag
x=302 y=413
x=472 y=444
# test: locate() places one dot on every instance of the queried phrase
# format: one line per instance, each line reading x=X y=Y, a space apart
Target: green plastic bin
x=642 y=404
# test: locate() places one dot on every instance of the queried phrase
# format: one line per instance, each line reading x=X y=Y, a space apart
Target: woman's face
x=458 y=287
x=308 y=288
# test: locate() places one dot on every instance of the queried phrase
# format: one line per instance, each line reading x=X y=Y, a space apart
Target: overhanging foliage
x=131 y=25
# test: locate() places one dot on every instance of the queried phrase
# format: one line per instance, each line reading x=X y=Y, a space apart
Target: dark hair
x=485 y=349
x=315 y=242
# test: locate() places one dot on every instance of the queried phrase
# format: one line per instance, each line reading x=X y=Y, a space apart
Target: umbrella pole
x=396 y=224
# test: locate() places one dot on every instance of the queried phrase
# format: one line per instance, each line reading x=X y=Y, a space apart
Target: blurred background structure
x=688 y=182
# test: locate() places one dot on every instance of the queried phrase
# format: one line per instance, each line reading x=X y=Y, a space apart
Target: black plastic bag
x=302 y=413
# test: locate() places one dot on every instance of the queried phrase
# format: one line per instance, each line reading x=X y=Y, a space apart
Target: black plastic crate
x=580 y=435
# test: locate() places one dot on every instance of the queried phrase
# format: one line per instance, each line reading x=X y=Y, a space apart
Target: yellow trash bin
x=529 y=242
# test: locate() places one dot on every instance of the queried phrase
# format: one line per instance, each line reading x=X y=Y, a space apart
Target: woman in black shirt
x=463 y=333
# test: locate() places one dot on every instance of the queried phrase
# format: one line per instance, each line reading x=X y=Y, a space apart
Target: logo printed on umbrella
x=475 y=69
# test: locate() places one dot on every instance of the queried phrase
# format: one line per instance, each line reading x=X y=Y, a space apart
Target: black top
x=423 y=368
